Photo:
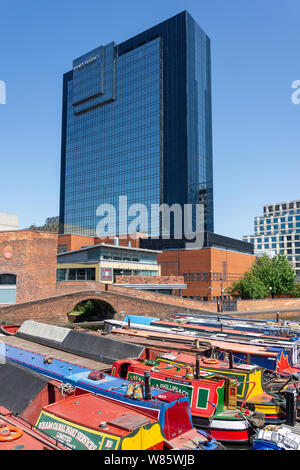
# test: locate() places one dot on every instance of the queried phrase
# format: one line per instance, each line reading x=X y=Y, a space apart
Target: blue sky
x=256 y=128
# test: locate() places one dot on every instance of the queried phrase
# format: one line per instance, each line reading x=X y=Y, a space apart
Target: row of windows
x=205 y=298
x=73 y=274
x=97 y=254
x=193 y=277
x=89 y=274
x=271 y=220
x=284 y=206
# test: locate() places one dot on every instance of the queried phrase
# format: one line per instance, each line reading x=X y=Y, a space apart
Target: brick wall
x=75 y=286
x=149 y=280
x=269 y=304
x=31 y=256
x=75 y=242
x=211 y=264
x=55 y=310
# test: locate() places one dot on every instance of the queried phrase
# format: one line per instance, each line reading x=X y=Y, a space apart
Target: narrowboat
x=262 y=328
x=89 y=422
x=171 y=409
x=250 y=389
x=212 y=399
x=8 y=330
x=72 y=417
x=240 y=335
x=282 y=357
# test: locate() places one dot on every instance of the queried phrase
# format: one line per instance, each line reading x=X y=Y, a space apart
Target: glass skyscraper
x=137 y=123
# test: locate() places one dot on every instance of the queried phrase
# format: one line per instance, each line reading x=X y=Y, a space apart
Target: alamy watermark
x=2 y=92
x=296 y=94
x=176 y=221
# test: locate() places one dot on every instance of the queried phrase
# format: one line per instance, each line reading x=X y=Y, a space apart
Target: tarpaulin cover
x=19 y=386
x=91 y=346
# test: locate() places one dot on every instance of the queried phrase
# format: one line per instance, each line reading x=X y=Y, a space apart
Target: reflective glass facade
x=137 y=123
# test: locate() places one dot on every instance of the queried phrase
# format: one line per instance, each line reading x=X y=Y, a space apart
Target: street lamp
x=222 y=291
x=271 y=292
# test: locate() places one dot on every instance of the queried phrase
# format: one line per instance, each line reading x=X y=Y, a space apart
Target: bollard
x=230 y=358
x=277 y=317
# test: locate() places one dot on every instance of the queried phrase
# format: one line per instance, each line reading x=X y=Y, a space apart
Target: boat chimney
x=197 y=375
x=147 y=385
x=128 y=322
x=291 y=406
x=230 y=358
x=277 y=317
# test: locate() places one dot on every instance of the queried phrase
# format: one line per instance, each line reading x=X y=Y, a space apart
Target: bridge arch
x=91 y=309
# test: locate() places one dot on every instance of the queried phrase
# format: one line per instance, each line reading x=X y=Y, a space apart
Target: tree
x=248 y=287
x=276 y=273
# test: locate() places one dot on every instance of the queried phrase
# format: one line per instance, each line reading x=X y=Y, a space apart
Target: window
x=61 y=275
x=72 y=275
x=8 y=279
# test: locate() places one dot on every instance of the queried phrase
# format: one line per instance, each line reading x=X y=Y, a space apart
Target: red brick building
x=27 y=265
x=206 y=271
x=75 y=242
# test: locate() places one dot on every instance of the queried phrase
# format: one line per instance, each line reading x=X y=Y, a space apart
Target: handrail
x=248 y=394
x=44 y=440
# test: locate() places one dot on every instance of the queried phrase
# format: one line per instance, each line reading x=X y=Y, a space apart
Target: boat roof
x=118 y=386
x=190 y=359
x=234 y=333
x=225 y=345
x=168 y=369
x=99 y=414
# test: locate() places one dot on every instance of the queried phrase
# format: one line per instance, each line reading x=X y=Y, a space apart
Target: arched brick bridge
x=116 y=302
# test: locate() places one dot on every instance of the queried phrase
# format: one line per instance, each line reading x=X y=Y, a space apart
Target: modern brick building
x=27 y=265
x=207 y=271
x=75 y=242
x=126 y=266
